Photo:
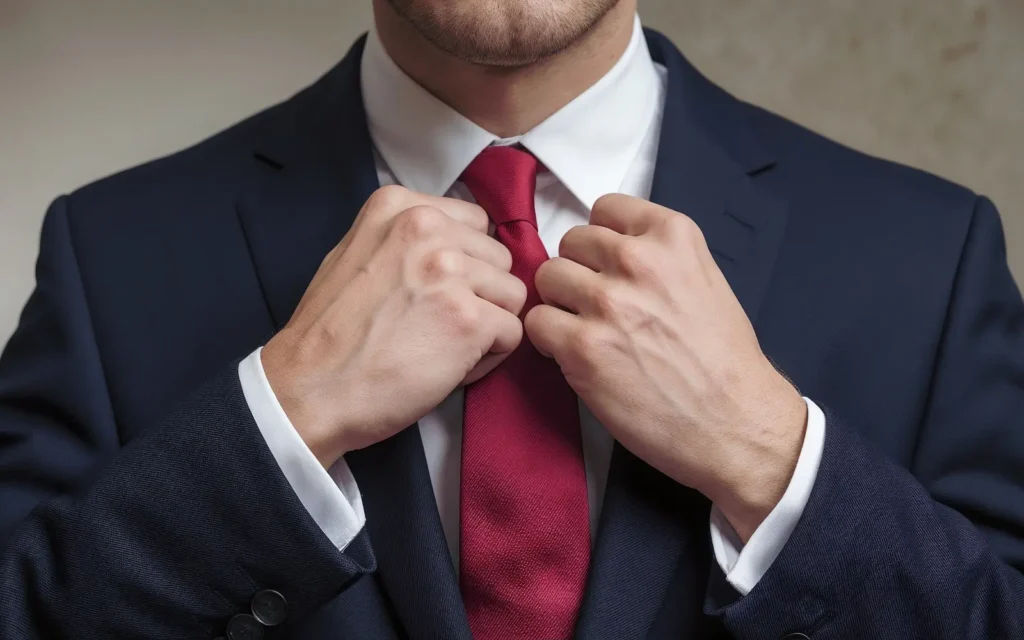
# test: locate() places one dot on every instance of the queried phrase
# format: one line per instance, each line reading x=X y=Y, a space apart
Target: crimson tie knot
x=503 y=181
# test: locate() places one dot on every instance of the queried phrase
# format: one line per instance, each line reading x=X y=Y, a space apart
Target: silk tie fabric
x=524 y=521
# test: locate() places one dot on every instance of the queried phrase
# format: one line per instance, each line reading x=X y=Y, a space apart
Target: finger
x=551 y=330
x=430 y=228
x=567 y=284
x=486 y=365
x=628 y=215
x=496 y=286
x=505 y=335
x=590 y=246
x=506 y=328
x=482 y=247
x=467 y=213
x=390 y=200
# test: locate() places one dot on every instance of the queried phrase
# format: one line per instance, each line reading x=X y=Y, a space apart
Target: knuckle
x=533 y=320
x=506 y=257
x=419 y=223
x=610 y=202
x=540 y=276
x=387 y=198
x=479 y=218
x=586 y=343
x=522 y=293
x=605 y=302
x=443 y=263
x=633 y=258
x=518 y=295
x=330 y=256
x=570 y=237
x=685 y=228
x=462 y=315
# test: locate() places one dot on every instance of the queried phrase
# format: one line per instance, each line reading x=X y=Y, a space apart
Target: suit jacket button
x=244 y=627
x=269 y=607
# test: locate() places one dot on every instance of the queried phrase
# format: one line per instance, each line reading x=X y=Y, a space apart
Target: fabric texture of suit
x=138 y=500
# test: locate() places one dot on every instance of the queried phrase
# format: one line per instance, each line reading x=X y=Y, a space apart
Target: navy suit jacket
x=138 y=499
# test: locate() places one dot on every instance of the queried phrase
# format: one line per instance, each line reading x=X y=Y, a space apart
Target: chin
x=503 y=33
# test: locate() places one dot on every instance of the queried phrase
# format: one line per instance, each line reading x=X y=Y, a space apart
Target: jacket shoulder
x=813 y=166
x=209 y=167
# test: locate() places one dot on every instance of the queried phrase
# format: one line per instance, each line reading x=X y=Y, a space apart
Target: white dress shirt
x=604 y=141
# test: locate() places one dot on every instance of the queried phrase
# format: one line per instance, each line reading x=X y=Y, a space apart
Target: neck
x=507 y=101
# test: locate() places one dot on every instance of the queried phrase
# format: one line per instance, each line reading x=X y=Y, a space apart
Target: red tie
x=524 y=522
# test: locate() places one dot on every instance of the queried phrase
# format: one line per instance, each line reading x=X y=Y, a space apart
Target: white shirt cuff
x=331 y=497
x=745 y=565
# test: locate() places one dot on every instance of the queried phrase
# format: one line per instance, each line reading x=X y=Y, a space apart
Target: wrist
x=296 y=396
x=764 y=463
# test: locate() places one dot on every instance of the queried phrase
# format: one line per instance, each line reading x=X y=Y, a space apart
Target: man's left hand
x=650 y=335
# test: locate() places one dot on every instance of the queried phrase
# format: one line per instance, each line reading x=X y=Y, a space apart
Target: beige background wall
x=90 y=86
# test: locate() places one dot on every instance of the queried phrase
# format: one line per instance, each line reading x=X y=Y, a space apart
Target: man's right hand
x=415 y=300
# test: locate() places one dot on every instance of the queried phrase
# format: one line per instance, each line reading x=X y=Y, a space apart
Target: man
x=603 y=446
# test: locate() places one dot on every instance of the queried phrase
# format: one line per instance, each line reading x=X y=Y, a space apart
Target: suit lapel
x=317 y=170
x=707 y=160
x=647 y=522
x=405 y=528
x=315 y=175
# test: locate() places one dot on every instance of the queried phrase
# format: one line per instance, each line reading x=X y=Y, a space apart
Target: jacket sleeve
x=167 y=537
x=935 y=553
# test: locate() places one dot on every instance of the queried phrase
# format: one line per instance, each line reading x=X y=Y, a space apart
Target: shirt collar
x=589 y=144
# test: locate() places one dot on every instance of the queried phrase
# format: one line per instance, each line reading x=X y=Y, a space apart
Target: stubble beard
x=503 y=33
